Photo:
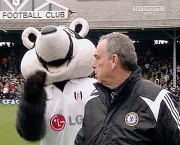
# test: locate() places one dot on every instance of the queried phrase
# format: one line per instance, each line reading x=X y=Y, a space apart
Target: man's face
x=102 y=65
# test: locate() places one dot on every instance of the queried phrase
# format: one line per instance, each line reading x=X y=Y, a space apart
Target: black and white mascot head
x=56 y=68
x=58 y=51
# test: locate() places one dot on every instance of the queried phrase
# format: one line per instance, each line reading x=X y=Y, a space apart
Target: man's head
x=115 y=56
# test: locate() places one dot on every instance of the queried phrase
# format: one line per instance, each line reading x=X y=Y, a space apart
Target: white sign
x=10 y=101
x=33 y=14
x=148 y=8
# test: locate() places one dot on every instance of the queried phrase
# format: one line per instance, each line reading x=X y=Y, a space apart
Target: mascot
x=56 y=68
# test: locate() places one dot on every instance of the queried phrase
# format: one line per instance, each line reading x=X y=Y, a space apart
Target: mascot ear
x=29 y=36
x=85 y=26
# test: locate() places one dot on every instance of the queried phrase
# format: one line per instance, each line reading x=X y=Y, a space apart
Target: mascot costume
x=56 y=68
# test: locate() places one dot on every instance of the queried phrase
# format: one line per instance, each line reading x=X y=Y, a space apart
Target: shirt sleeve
x=168 y=121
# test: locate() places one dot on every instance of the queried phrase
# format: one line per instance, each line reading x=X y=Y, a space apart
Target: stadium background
x=154 y=26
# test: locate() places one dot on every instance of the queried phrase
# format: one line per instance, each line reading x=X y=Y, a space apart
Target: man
x=126 y=109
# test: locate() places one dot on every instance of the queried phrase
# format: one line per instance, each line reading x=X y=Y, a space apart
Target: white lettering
x=154 y=8
x=13 y=102
x=137 y=8
x=9 y=101
x=149 y=13
x=17 y=101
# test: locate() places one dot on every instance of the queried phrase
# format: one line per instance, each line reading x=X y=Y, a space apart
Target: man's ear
x=114 y=61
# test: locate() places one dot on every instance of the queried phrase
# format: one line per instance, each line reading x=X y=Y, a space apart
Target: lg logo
x=58 y=122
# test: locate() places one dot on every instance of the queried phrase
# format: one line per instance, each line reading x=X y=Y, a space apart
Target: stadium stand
x=155 y=67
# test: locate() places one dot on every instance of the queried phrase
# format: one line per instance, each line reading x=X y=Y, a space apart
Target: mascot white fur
x=57 y=87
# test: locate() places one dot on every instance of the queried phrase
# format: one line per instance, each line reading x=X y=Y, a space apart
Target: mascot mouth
x=55 y=65
x=55 y=69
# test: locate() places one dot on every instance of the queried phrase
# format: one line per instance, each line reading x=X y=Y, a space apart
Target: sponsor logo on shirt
x=131 y=119
x=58 y=122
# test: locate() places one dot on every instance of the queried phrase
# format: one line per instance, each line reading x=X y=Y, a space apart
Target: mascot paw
x=34 y=86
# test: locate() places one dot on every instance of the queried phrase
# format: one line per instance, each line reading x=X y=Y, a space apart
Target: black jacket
x=142 y=114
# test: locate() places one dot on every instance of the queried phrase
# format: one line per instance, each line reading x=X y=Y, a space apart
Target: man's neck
x=117 y=79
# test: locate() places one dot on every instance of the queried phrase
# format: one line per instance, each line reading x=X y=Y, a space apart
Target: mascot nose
x=48 y=30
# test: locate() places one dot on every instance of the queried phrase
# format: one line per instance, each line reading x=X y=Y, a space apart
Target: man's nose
x=93 y=65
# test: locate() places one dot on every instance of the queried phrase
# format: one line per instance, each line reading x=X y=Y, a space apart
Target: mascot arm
x=30 y=122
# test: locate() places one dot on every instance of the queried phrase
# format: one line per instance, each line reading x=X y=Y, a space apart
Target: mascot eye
x=69 y=31
x=72 y=33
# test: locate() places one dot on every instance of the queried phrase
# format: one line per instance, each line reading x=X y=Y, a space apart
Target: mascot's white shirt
x=65 y=110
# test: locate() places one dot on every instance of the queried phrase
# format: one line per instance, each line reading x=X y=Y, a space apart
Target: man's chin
x=97 y=78
x=99 y=81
